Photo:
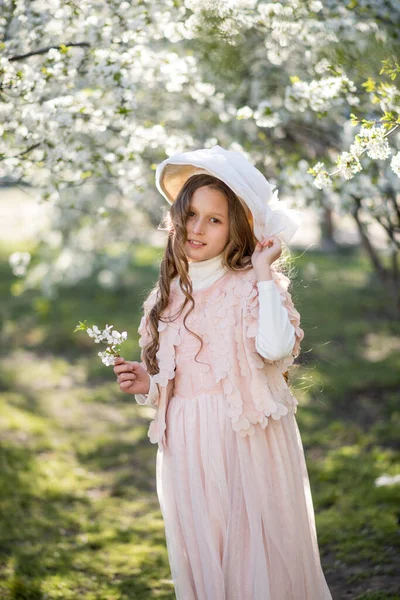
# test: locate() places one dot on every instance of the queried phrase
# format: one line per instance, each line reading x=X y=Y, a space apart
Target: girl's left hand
x=266 y=252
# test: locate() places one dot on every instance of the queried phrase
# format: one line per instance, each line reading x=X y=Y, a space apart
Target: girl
x=218 y=332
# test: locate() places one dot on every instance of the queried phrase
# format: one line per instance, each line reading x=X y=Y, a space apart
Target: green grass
x=79 y=512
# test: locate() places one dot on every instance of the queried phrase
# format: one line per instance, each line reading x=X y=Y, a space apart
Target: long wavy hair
x=236 y=256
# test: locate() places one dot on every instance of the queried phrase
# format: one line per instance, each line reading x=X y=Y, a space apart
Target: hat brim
x=174 y=176
x=172 y=179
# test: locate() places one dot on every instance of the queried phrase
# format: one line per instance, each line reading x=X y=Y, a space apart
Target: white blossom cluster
x=108 y=78
x=264 y=115
x=322 y=178
x=348 y=164
x=19 y=262
x=75 y=113
x=395 y=164
x=106 y=358
x=113 y=338
x=318 y=95
x=79 y=122
x=373 y=141
x=283 y=27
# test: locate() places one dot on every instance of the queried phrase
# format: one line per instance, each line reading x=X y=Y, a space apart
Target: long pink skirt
x=238 y=512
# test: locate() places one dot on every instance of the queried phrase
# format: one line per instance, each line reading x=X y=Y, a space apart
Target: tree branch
x=390 y=230
x=23 y=151
x=44 y=50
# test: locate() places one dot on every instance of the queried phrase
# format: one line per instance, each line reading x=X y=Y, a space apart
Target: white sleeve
x=276 y=335
x=150 y=399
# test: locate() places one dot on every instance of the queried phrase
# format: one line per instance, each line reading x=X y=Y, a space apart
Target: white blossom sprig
x=371 y=139
x=113 y=339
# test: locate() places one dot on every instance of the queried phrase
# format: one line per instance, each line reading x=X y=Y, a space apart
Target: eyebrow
x=211 y=213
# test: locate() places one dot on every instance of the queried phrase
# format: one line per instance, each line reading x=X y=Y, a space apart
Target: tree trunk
x=388 y=277
x=328 y=242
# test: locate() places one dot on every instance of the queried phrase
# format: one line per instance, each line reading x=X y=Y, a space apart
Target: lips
x=197 y=243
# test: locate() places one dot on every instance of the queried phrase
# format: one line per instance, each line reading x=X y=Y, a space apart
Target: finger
x=272 y=238
x=133 y=363
x=118 y=360
x=123 y=369
x=126 y=377
x=125 y=385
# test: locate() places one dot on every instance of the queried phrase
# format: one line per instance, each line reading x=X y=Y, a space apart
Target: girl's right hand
x=131 y=376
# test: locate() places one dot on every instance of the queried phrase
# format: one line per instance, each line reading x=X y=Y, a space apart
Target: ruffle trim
x=169 y=338
x=267 y=399
x=233 y=325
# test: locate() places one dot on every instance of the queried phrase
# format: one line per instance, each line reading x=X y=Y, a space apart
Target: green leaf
x=123 y=111
x=389 y=116
x=390 y=67
x=369 y=85
x=368 y=124
x=81 y=326
x=354 y=119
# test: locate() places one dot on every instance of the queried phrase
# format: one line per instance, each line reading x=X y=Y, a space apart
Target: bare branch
x=390 y=230
x=23 y=152
x=44 y=50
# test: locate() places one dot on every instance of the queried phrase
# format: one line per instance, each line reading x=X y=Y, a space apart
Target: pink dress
x=238 y=511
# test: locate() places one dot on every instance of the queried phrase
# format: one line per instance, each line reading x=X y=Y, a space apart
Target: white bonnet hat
x=270 y=216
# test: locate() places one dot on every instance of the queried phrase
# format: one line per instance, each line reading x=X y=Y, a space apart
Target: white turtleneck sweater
x=276 y=335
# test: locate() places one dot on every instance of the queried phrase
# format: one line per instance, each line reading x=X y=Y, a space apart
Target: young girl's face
x=207 y=222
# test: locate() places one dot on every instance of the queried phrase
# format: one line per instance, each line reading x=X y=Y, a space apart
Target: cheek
x=226 y=233
x=222 y=235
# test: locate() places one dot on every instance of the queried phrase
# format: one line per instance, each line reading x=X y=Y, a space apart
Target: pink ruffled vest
x=254 y=387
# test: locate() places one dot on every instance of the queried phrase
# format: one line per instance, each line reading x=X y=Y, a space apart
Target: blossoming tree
x=94 y=94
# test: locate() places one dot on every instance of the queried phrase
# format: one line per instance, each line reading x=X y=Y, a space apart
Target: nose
x=198 y=227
